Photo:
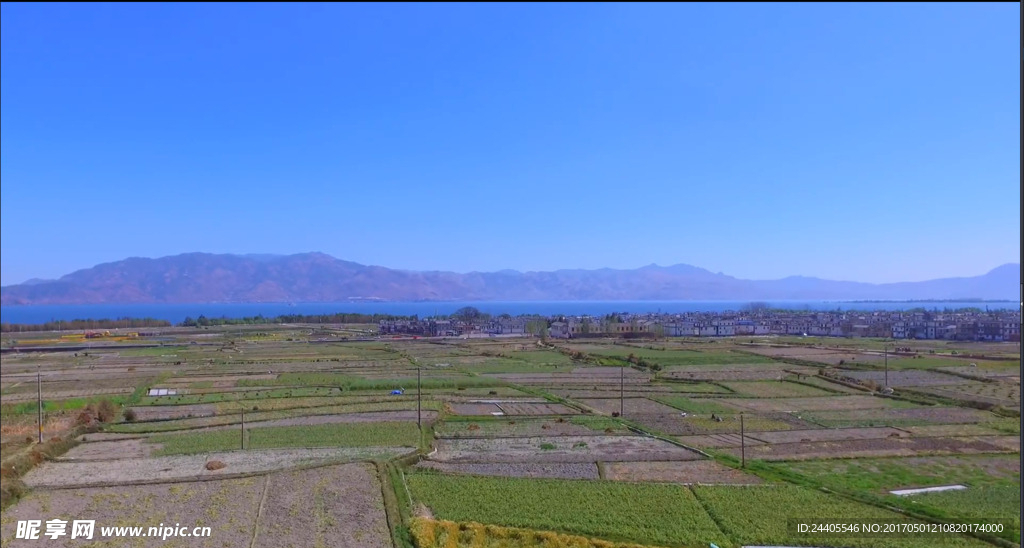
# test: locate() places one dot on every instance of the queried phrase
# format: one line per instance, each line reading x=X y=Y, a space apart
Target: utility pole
x=743 y=445
x=419 y=405
x=243 y=429
x=39 y=400
x=885 y=351
x=622 y=380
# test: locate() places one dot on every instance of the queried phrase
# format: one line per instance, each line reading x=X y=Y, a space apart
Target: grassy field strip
x=382 y=434
x=235 y=418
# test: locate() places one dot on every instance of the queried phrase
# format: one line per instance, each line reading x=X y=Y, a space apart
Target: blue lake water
x=175 y=313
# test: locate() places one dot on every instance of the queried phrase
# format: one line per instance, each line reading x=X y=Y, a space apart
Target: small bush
x=106 y=411
x=547 y=446
x=215 y=465
x=85 y=417
x=129 y=415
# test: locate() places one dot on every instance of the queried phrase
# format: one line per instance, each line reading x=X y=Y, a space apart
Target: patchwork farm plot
x=289 y=435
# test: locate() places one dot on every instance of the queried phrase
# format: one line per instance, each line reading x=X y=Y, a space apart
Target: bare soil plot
x=821 y=355
x=562 y=470
x=758 y=372
x=475 y=408
x=518 y=428
x=940 y=430
x=1003 y=373
x=774 y=389
x=67 y=394
x=596 y=393
x=883 y=447
x=567 y=379
x=905 y=377
x=632 y=406
x=715 y=441
x=559 y=449
x=677 y=425
x=536 y=409
x=702 y=471
x=899 y=417
x=1010 y=443
x=188 y=467
x=110 y=450
x=228 y=507
x=219 y=381
x=109 y=436
x=995 y=393
x=829 y=434
x=828 y=385
x=165 y=412
x=329 y=506
x=427 y=416
x=790 y=405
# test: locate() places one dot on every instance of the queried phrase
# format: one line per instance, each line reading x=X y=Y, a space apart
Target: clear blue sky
x=869 y=142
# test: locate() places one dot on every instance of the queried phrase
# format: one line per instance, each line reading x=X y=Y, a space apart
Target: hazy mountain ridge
x=317 y=277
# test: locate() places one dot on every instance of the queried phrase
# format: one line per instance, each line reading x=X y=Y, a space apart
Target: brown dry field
x=883 y=447
x=124 y=471
x=555 y=381
x=760 y=372
x=560 y=470
x=134 y=448
x=702 y=471
x=536 y=409
x=905 y=377
x=789 y=405
x=934 y=415
x=217 y=381
x=829 y=434
x=474 y=408
x=427 y=416
x=995 y=393
x=328 y=506
x=775 y=389
x=1010 y=373
x=613 y=392
x=821 y=355
x=515 y=428
x=66 y=394
x=164 y=412
x=941 y=430
x=565 y=449
x=228 y=507
x=335 y=504
x=677 y=425
x=715 y=441
x=631 y=406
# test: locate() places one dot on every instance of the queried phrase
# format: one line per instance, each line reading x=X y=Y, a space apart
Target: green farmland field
x=382 y=434
x=757 y=515
x=658 y=514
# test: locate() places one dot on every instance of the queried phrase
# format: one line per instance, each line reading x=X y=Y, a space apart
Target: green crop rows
x=380 y=434
x=651 y=514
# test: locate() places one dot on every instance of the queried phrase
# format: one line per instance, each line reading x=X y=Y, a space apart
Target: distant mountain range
x=316 y=277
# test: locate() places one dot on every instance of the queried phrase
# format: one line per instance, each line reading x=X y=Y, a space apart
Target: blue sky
x=868 y=142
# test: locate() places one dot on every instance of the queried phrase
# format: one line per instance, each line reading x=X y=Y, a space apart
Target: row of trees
x=340 y=318
x=73 y=325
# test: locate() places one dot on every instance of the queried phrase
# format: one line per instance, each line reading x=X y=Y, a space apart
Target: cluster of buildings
x=1003 y=325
